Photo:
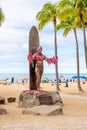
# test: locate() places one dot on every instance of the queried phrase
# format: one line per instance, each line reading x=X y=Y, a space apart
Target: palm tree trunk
x=56 y=66
x=84 y=35
x=77 y=57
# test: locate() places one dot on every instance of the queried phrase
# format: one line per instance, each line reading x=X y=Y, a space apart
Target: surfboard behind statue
x=33 y=44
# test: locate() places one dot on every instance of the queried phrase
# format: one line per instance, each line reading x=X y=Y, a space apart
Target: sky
x=20 y=16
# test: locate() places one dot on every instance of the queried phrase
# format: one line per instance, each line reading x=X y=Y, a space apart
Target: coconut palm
x=81 y=7
x=68 y=25
x=1 y=16
x=49 y=13
x=76 y=8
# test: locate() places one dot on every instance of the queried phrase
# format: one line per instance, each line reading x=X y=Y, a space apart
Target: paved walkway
x=73 y=96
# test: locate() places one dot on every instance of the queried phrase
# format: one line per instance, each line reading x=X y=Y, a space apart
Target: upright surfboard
x=33 y=44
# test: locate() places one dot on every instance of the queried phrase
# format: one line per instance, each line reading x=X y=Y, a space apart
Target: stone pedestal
x=48 y=110
x=31 y=98
x=34 y=100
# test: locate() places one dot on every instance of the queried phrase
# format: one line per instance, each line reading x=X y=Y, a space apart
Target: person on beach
x=12 y=80
x=66 y=83
x=38 y=57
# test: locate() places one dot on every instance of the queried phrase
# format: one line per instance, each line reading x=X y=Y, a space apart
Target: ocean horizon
x=52 y=76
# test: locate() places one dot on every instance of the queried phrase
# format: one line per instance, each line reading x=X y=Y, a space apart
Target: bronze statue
x=38 y=57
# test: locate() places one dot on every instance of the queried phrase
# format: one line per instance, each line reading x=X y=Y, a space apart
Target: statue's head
x=39 y=49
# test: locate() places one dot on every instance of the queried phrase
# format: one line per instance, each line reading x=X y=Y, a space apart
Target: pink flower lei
x=52 y=60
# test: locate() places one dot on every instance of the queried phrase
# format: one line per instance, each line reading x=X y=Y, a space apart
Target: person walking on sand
x=38 y=57
x=12 y=80
x=67 y=83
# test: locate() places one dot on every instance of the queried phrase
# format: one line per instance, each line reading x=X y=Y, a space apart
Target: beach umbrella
x=74 y=77
x=24 y=78
x=82 y=77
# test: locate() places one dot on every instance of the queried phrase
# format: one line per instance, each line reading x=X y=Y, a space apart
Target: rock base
x=41 y=102
x=31 y=98
x=48 y=110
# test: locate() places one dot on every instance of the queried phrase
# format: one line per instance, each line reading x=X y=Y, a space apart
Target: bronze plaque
x=45 y=100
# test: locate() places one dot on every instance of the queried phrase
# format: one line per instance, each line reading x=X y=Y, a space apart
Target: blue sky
x=20 y=16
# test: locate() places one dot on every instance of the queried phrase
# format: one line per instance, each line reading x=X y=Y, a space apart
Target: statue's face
x=39 y=51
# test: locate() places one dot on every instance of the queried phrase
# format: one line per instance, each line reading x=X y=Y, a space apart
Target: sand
x=74 y=110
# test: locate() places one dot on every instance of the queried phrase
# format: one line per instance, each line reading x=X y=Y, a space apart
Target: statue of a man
x=38 y=57
x=36 y=60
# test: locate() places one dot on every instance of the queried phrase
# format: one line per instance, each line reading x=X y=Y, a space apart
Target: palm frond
x=47 y=13
x=66 y=31
x=64 y=3
x=2 y=17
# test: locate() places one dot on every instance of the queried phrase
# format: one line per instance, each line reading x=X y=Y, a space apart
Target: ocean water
x=17 y=76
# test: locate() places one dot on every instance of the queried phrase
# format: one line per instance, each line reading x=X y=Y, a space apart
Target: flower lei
x=52 y=60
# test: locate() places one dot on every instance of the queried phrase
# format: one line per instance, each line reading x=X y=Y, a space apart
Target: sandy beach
x=74 y=110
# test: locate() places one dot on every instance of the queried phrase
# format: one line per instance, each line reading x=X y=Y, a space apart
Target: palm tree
x=68 y=25
x=76 y=8
x=81 y=7
x=1 y=16
x=47 y=14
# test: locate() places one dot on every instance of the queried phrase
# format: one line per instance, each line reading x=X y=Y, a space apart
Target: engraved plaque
x=45 y=100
